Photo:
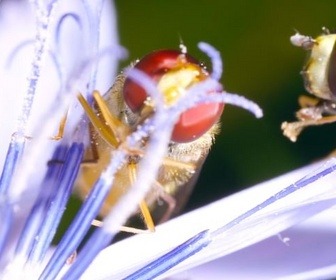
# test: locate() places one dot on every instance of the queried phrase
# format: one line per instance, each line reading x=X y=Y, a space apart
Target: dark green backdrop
x=260 y=63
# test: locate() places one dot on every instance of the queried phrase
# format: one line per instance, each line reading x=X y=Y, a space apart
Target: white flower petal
x=131 y=254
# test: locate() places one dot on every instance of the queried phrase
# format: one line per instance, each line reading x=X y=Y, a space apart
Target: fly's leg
x=307 y=101
x=179 y=164
x=60 y=133
x=293 y=129
x=313 y=112
x=98 y=223
x=169 y=200
x=91 y=155
x=114 y=132
x=142 y=204
x=104 y=131
x=148 y=220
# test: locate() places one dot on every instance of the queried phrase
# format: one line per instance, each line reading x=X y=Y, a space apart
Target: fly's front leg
x=293 y=129
x=61 y=128
x=91 y=154
x=313 y=112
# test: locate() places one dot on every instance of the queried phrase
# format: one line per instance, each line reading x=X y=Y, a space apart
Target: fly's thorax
x=116 y=104
x=195 y=150
x=316 y=72
x=192 y=153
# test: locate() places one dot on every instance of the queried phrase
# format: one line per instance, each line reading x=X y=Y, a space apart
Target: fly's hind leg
x=173 y=204
x=169 y=200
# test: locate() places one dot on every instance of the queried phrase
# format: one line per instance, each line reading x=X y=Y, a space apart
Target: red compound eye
x=196 y=121
x=155 y=65
x=174 y=72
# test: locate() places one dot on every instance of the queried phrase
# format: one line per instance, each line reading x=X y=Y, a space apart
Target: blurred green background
x=259 y=63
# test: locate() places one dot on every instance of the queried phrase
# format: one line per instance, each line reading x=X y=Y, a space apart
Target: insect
x=320 y=80
x=125 y=106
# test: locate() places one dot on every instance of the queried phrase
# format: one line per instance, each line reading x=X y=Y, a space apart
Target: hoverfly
x=125 y=106
x=320 y=80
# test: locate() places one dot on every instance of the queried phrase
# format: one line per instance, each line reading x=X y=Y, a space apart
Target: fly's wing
x=183 y=193
x=175 y=182
x=167 y=198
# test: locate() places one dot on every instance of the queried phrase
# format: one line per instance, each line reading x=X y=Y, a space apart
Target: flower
x=64 y=54
x=39 y=68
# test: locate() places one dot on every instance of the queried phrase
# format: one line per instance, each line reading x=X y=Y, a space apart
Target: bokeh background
x=259 y=63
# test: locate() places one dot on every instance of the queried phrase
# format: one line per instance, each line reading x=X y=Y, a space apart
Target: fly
x=125 y=106
x=320 y=80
